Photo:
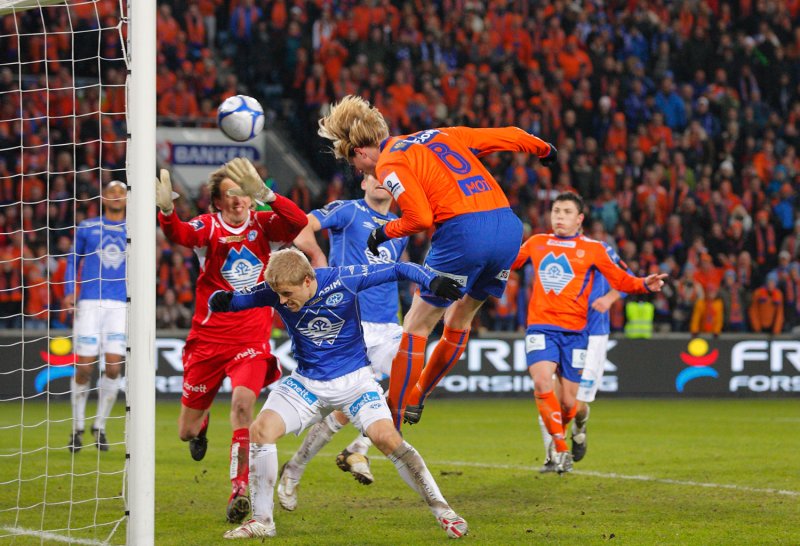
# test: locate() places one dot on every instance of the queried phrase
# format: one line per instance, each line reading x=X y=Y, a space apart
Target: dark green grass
x=657 y=472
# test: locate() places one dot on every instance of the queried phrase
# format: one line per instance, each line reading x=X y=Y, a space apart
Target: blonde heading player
x=556 y=338
x=437 y=179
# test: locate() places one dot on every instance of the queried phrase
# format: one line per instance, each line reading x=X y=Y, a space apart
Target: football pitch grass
x=657 y=472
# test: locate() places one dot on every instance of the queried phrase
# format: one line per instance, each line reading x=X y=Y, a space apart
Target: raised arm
x=307 y=242
x=284 y=222
x=486 y=141
x=260 y=295
x=360 y=277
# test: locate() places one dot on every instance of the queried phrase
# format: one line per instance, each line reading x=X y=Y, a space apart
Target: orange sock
x=442 y=360
x=406 y=367
x=550 y=410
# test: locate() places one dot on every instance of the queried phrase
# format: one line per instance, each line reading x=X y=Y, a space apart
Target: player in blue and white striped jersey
x=96 y=275
x=349 y=224
x=320 y=310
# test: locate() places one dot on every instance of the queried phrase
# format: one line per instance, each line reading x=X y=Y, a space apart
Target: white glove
x=244 y=173
x=164 y=193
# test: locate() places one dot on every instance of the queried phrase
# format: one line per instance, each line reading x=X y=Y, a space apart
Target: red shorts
x=206 y=364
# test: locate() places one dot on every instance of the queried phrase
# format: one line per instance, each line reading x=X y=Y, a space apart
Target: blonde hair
x=353 y=123
x=289 y=267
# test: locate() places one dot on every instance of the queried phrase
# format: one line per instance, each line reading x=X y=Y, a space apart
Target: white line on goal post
x=141 y=162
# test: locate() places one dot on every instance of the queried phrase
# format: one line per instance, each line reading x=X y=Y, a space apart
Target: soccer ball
x=240 y=117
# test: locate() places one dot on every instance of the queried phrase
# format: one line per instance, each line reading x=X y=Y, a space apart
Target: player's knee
x=241 y=413
x=267 y=428
x=188 y=431
x=384 y=436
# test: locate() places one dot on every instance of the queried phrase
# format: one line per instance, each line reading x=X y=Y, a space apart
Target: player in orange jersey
x=556 y=338
x=438 y=180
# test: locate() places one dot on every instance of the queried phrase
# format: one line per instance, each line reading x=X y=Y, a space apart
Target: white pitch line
x=615 y=476
x=44 y=535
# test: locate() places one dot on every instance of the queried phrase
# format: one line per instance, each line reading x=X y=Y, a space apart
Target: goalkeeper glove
x=220 y=301
x=244 y=173
x=164 y=193
x=375 y=239
x=446 y=288
x=550 y=158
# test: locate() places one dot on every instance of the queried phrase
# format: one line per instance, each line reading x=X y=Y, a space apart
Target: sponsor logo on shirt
x=333 y=286
x=251 y=235
x=334 y=299
x=555 y=273
x=232 y=239
x=562 y=243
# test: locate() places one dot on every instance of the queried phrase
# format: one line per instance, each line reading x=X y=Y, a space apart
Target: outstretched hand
x=220 y=301
x=550 y=158
x=245 y=175
x=655 y=281
x=164 y=193
x=446 y=288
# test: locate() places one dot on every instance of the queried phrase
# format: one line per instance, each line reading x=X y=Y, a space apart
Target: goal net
x=63 y=133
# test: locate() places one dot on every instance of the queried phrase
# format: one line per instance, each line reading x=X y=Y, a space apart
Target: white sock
x=107 y=390
x=360 y=445
x=415 y=473
x=79 y=393
x=547 y=440
x=263 y=475
x=318 y=437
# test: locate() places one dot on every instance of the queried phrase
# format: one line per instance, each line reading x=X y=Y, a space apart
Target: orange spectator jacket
x=562 y=268
x=435 y=175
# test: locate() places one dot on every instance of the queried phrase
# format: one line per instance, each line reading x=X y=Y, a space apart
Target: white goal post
x=64 y=88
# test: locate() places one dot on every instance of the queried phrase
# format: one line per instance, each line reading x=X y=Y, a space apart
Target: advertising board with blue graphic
x=490 y=367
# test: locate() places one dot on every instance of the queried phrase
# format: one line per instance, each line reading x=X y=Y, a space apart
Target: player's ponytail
x=352 y=123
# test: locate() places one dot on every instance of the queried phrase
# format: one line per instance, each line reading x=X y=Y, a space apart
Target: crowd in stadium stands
x=678 y=122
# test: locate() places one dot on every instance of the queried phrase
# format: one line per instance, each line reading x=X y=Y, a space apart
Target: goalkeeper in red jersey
x=556 y=339
x=233 y=244
x=437 y=179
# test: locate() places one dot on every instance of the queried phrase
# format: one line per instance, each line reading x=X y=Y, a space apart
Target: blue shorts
x=477 y=250
x=566 y=349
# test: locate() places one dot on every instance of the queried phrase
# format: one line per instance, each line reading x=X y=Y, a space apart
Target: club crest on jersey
x=384 y=256
x=251 y=235
x=334 y=299
x=241 y=268
x=111 y=255
x=320 y=329
x=197 y=224
x=555 y=272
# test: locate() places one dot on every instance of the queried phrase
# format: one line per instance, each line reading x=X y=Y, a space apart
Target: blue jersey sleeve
x=260 y=295
x=334 y=215
x=360 y=277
